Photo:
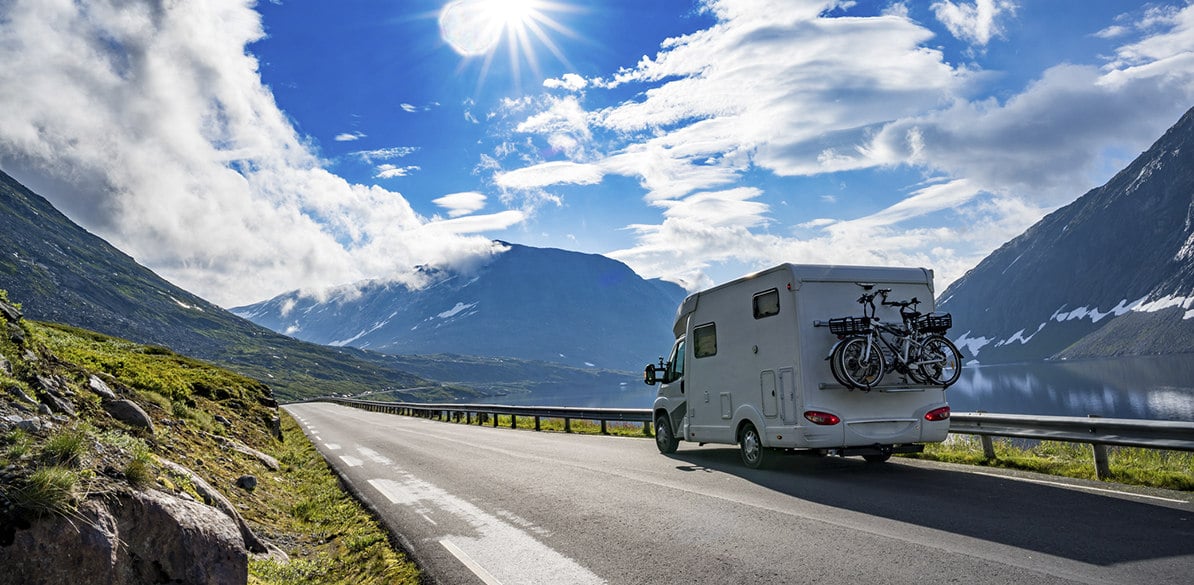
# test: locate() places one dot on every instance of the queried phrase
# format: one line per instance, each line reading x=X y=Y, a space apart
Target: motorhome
x=749 y=367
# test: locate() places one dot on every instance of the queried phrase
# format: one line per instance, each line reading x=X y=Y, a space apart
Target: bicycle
x=869 y=348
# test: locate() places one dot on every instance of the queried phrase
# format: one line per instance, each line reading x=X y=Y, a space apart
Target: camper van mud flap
x=881 y=450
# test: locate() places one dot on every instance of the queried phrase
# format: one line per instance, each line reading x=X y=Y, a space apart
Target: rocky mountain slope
x=1110 y=274
x=582 y=310
x=69 y=275
x=129 y=464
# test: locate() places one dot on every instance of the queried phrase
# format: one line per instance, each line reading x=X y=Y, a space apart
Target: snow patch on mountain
x=459 y=308
x=1168 y=302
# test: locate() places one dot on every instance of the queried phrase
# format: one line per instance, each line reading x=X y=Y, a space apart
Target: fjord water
x=1156 y=388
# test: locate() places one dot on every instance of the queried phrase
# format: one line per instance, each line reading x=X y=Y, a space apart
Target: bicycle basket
x=934 y=322
x=849 y=325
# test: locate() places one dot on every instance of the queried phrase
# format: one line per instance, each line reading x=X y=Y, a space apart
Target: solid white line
x=1081 y=487
x=472 y=565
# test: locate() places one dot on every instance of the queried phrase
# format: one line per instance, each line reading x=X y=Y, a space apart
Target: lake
x=1158 y=388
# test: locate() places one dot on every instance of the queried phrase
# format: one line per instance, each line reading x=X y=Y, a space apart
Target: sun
x=476 y=28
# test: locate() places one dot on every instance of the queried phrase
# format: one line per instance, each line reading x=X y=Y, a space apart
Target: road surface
x=477 y=504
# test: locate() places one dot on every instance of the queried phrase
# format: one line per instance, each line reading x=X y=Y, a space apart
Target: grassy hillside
x=201 y=414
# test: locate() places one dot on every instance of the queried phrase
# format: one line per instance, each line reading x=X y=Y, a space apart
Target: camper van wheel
x=754 y=454
x=881 y=458
x=665 y=439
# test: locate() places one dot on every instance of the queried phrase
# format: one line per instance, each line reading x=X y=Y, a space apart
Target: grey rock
x=5 y=366
x=127 y=412
x=222 y=420
x=267 y=460
x=11 y=313
x=43 y=409
x=20 y=394
x=30 y=356
x=143 y=537
x=246 y=482
x=30 y=425
x=16 y=334
x=58 y=404
x=99 y=387
x=212 y=497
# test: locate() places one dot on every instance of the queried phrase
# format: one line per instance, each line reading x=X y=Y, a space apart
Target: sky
x=245 y=149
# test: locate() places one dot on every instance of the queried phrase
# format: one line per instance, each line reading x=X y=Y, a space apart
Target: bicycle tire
x=940 y=361
x=856 y=371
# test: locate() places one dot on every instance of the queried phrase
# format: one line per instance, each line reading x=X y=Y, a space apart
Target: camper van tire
x=665 y=439
x=878 y=458
x=754 y=454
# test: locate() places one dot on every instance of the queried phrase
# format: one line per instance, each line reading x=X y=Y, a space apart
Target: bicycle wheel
x=940 y=361
x=858 y=370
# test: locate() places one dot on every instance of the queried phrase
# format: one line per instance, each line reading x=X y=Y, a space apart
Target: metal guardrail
x=1095 y=431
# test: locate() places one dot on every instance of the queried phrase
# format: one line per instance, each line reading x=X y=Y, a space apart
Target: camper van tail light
x=822 y=418
x=937 y=414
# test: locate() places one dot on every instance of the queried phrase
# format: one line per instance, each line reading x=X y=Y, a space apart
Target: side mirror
x=649 y=375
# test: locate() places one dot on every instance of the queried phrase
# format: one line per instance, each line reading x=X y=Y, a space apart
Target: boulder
x=212 y=497
x=127 y=412
x=5 y=366
x=57 y=403
x=15 y=333
x=99 y=387
x=143 y=537
x=247 y=483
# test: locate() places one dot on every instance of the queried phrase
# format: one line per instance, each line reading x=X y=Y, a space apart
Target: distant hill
x=1110 y=274
x=62 y=273
x=582 y=310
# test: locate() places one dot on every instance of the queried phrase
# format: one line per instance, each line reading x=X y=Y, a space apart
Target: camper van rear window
x=704 y=340
x=767 y=304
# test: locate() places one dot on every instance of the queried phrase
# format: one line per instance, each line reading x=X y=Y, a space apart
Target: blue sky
x=246 y=149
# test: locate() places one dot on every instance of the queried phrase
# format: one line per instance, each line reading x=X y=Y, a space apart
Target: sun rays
x=477 y=28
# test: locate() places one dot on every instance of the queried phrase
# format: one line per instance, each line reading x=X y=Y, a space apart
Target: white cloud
x=459 y=204
x=550 y=173
x=148 y=124
x=349 y=136
x=410 y=108
x=568 y=81
x=975 y=23
x=388 y=171
x=792 y=89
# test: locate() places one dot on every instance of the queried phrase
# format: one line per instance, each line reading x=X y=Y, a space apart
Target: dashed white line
x=332 y=446
x=351 y=461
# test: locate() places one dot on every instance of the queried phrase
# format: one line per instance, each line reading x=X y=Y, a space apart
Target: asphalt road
x=483 y=505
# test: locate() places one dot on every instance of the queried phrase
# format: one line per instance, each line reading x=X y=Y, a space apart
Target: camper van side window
x=675 y=366
x=704 y=340
x=767 y=304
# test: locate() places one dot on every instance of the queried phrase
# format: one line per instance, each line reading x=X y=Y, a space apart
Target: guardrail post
x=603 y=429
x=514 y=421
x=567 y=425
x=495 y=417
x=536 y=423
x=988 y=446
x=1102 y=467
x=647 y=428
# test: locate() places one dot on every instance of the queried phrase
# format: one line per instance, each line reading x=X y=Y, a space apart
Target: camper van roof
x=814 y=273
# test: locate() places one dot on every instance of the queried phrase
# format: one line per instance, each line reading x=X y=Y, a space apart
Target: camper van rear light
x=822 y=418
x=937 y=414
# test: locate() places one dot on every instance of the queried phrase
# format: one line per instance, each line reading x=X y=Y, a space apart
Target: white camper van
x=749 y=367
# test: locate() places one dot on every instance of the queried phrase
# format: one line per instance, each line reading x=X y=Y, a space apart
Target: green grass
x=68 y=446
x=1129 y=465
x=49 y=490
x=17 y=445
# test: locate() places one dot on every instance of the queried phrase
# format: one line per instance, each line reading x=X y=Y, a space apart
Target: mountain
x=62 y=273
x=582 y=310
x=1110 y=274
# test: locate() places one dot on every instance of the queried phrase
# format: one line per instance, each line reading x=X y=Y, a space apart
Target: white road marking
x=351 y=461
x=332 y=446
x=1080 y=487
x=499 y=548
x=428 y=518
x=374 y=456
x=472 y=565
